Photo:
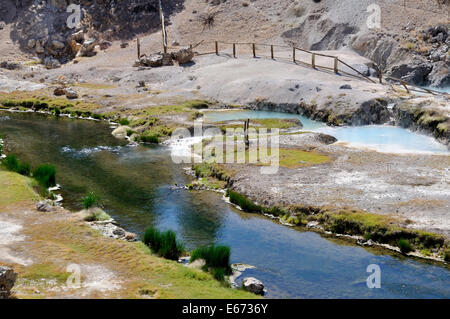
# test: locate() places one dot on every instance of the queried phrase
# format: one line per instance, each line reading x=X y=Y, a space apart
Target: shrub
x=404 y=245
x=90 y=200
x=216 y=257
x=164 y=244
x=45 y=175
x=11 y=163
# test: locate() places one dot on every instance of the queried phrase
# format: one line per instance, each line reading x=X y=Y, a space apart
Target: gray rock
x=31 y=43
x=71 y=93
x=440 y=75
x=51 y=63
x=414 y=73
x=87 y=49
x=346 y=87
x=183 y=56
x=58 y=45
x=253 y=285
x=7 y=279
x=43 y=206
x=156 y=60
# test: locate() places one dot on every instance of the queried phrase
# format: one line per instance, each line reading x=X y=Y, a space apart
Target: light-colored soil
x=46 y=248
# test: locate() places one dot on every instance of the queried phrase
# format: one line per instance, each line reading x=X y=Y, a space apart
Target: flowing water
x=382 y=138
x=134 y=184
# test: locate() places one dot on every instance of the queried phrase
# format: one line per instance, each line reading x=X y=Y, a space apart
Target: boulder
x=440 y=75
x=43 y=206
x=121 y=132
x=58 y=45
x=156 y=60
x=59 y=91
x=51 y=63
x=87 y=48
x=253 y=285
x=31 y=43
x=183 y=56
x=71 y=93
x=7 y=279
x=415 y=72
x=345 y=87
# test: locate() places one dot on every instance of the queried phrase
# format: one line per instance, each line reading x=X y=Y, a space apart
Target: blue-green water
x=134 y=184
x=379 y=137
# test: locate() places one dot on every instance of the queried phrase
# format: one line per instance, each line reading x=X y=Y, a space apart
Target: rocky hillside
x=404 y=45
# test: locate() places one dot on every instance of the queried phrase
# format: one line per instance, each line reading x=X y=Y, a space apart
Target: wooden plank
x=313 y=60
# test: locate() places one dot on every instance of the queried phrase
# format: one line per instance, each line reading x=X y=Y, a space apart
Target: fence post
x=217 y=48
x=138 y=48
x=313 y=60
x=271 y=52
x=293 y=54
x=336 y=65
x=254 y=50
x=234 y=50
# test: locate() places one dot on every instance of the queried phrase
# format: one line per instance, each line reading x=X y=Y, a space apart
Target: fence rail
x=216 y=46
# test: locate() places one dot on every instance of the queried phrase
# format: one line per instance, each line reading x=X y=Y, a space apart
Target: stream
x=134 y=184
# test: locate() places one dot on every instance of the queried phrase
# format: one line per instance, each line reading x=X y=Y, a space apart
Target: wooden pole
x=254 y=50
x=380 y=75
x=163 y=27
x=246 y=126
x=271 y=52
x=313 y=60
x=138 y=48
x=234 y=50
x=217 y=48
x=293 y=54
x=336 y=70
x=406 y=87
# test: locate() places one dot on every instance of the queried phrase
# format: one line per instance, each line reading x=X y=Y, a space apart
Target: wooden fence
x=259 y=50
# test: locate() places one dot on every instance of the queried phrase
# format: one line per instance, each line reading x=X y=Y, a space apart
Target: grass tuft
x=45 y=175
x=164 y=244
x=216 y=257
x=90 y=200
x=404 y=245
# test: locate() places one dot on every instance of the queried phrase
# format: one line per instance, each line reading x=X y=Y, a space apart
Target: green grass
x=165 y=244
x=447 y=255
x=216 y=257
x=15 y=188
x=12 y=164
x=45 y=175
x=243 y=202
x=149 y=138
x=96 y=215
x=404 y=245
x=90 y=200
x=124 y=121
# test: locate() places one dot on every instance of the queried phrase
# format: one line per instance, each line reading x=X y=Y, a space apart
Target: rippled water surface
x=134 y=184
